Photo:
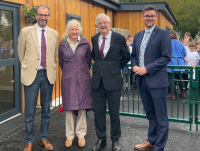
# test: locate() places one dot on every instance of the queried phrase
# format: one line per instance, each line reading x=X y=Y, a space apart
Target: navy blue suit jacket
x=157 y=56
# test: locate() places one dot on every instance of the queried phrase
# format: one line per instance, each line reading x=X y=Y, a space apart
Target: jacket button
x=38 y=59
x=35 y=68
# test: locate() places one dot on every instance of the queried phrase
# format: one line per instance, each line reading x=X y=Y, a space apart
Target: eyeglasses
x=102 y=23
x=152 y=16
x=41 y=15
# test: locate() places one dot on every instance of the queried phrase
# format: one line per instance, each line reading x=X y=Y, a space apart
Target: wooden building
x=123 y=16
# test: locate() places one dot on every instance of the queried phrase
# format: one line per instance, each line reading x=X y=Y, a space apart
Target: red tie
x=101 y=50
x=102 y=47
x=43 y=50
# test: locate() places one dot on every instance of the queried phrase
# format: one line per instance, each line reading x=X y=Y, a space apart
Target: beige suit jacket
x=29 y=54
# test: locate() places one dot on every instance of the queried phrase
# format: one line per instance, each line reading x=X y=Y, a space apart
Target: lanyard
x=66 y=50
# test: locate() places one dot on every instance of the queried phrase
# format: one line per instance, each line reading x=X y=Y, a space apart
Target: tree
x=6 y=25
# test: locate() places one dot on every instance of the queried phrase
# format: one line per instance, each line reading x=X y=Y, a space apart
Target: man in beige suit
x=37 y=46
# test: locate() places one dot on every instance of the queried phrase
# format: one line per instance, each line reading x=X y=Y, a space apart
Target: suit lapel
x=97 y=44
x=113 y=37
x=49 y=39
x=35 y=37
x=152 y=35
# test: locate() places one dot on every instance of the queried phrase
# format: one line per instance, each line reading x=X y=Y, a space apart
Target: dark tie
x=102 y=47
x=43 y=50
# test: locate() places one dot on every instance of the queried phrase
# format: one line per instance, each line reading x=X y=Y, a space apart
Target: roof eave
x=108 y=3
x=161 y=6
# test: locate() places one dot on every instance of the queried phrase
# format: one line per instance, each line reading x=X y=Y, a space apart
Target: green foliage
x=6 y=25
x=29 y=14
x=186 y=13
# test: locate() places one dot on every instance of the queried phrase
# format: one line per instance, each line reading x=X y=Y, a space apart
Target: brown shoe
x=47 y=145
x=81 y=142
x=146 y=145
x=28 y=147
x=68 y=143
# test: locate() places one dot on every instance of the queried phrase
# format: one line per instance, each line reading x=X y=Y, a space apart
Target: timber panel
x=132 y=21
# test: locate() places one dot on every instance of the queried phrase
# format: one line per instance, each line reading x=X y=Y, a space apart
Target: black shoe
x=99 y=145
x=115 y=146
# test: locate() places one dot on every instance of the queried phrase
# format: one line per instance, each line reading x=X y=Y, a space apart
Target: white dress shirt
x=107 y=43
x=39 y=33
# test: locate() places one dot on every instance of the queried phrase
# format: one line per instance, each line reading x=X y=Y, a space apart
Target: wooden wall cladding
x=58 y=9
x=132 y=21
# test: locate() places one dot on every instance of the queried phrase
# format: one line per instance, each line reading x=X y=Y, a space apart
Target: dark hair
x=149 y=7
x=188 y=34
x=192 y=44
x=173 y=34
x=129 y=36
x=36 y=10
x=127 y=39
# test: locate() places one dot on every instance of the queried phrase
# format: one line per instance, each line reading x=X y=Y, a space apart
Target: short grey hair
x=102 y=15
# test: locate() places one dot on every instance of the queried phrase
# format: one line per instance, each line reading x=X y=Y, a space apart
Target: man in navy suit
x=151 y=52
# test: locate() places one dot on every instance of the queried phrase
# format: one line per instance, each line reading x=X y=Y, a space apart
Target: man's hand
x=135 y=69
x=141 y=71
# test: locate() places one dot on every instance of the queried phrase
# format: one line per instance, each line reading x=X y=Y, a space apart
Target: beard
x=149 y=25
x=42 y=24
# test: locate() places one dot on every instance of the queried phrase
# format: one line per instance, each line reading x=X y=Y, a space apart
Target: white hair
x=70 y=24
x=102 y=15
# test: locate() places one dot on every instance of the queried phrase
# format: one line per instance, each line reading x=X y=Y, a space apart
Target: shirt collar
x=40 y=29
x=151 y=29
x=108 y=36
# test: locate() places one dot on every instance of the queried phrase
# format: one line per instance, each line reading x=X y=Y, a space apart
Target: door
x=10 y=85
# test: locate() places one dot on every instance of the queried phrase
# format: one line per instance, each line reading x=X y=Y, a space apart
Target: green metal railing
x=196 y=86
x=184 y=106
x=179 y=109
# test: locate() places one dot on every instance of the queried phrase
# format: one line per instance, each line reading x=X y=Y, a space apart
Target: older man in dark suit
x=151 y=52
x=110 y=55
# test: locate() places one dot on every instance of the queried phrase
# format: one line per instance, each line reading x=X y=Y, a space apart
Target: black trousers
x=100 y=96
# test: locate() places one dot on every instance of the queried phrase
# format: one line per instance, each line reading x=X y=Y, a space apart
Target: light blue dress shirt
x=143 y=46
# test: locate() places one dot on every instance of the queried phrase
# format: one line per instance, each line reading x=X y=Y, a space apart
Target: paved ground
x=134 y=130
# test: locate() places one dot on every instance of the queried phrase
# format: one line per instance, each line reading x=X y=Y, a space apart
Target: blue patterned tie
x=143 y=48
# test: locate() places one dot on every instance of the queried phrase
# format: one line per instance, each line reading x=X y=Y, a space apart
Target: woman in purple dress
x=75 y=63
